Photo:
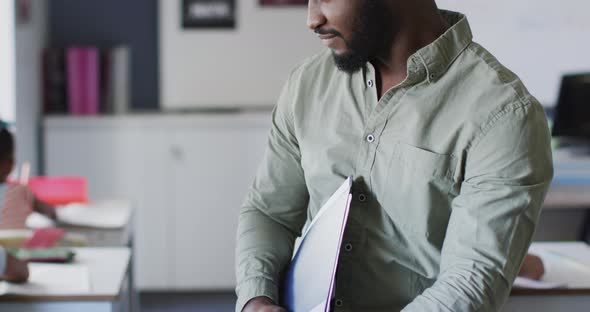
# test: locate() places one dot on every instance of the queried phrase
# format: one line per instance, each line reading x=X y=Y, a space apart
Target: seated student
x=12 y=269
x=16 y=201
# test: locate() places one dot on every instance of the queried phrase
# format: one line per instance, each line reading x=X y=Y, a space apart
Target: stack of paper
x=527 y=283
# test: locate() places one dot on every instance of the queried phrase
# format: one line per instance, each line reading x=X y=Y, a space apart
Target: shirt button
x=370 y=83
x=338 y=302
x=348 y=247
x=362 y=198
x=370 y=138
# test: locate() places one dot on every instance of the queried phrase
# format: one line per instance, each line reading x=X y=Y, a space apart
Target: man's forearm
x=264 y=249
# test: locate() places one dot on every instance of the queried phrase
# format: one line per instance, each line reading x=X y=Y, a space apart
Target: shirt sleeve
x=2 y=261
x=507 y=174
x=274 y=211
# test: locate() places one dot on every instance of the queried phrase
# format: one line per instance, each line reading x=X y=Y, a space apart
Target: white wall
x=7 y=74
x=227 y=68
x=30 y=40
x=539 y=40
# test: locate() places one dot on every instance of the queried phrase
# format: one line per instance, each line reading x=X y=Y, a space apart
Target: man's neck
x=419 y=31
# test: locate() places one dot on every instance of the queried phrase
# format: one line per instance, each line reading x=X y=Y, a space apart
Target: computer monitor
x=572 y=113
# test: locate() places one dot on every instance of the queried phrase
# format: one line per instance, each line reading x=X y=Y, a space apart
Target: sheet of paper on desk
x=561 y=271
x=108 y=214
x=51 y=280
x=522 y=282
x=38 y=221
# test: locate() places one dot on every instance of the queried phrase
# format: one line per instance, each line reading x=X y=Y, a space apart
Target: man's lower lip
x=327 y=36
x=329 y=41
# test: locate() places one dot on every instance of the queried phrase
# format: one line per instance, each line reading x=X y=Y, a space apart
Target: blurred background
x=165 y=104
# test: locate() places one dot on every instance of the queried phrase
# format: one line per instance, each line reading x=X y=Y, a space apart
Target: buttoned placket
x=378 y=111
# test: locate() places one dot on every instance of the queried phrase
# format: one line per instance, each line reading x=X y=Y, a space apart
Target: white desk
x=112 y=237
x=108 y=270
x=119 y=233
x=572 y=299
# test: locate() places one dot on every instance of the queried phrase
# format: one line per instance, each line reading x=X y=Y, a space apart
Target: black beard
x=372 y=32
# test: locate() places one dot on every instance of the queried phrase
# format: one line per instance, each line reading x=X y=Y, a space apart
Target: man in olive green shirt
x=449 y=152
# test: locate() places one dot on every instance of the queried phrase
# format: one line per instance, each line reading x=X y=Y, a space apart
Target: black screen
x=572 y=114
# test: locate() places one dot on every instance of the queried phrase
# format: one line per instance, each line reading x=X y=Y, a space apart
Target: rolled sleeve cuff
x=256 y=287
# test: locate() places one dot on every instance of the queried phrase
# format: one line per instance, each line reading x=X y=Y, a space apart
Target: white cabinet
x=211 y=176
x=187 y=176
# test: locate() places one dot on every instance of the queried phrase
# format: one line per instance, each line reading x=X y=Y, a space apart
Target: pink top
x=16 y=206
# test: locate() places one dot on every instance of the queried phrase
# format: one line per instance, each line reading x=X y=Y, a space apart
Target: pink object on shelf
x=60 y=190
x=83 y=80
x=44 y=238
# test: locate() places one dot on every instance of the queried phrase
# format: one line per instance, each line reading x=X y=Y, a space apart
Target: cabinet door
x=127 y=162
x=213 y=169
x=153 y=252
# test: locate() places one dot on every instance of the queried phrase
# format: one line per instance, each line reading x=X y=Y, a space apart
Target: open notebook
x=106 y=214
x=112 y=214
x=309 y=282
x=51 y=280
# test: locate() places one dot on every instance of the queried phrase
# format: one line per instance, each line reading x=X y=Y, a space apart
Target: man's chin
x=349 y=62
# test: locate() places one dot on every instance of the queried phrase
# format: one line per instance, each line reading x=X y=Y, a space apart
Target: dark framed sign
x=283 y=2
x=208 y=13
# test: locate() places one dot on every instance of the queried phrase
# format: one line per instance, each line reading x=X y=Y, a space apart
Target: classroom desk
x=109 y=290
x=118 y=237
x=572 y=299
x=107 y=237
x=570 y=188
x=566 y=209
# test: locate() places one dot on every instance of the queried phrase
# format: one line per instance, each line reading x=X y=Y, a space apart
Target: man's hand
x=16 y=270
x=262 y=304
x=532 y=267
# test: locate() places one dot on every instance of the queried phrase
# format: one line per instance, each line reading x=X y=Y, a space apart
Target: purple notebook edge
x=333 y=279
x=92 y=81
x=83 y=80
x=74 y=88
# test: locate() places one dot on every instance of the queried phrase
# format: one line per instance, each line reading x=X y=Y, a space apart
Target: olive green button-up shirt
x=450 y=170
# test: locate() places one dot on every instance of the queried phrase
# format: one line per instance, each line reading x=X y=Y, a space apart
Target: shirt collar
x=438 y=56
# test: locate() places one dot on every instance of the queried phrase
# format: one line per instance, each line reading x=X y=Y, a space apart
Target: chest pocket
x=418 y=191
x=423 y=162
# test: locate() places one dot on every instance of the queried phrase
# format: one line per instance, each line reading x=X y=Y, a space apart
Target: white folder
x=309 y=282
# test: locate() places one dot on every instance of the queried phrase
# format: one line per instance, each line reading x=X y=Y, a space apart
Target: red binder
x=60 y=190
x=44 y=238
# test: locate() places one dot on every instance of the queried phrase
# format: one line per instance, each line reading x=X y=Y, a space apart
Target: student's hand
x=51 y=213
x=262 y=304
x=45 y=209
x=17 y=271
x=532 y=267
